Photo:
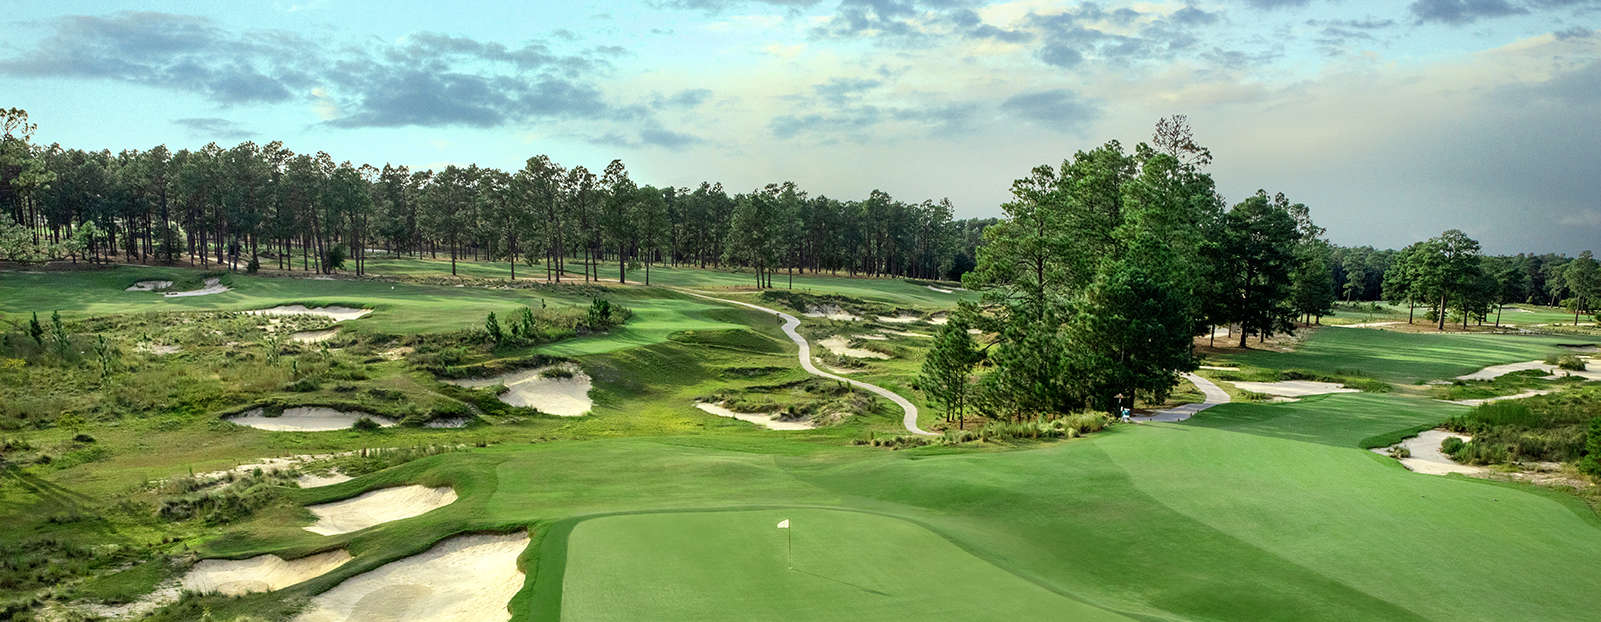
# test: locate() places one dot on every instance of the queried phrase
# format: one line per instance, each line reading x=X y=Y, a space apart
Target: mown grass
x=1398 y=357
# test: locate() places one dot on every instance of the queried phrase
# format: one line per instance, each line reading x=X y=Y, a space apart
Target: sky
x=1393 y=120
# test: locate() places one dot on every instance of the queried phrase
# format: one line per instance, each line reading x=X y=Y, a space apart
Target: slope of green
x=1401 y=357
x=864 y=566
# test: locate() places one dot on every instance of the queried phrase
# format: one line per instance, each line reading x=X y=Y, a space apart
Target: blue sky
x=1393 y=120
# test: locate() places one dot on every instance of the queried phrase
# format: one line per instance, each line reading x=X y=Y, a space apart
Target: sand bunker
x=1366 y=324
x=312 y=480
x=832 y=312
x=335 y=313
x=378 y=507
x=939 y=319
x=1427 y=457
x=906 y=334
x=563 y=397
x=462 y=578
x=767 y=420
x=1487 y=400
x=1496 y=371
x=840 y=346
x=941 y=290
x=262 y=573
x=213 y=286
x=305 y=419
x=904 y=318
x=1294 y=388
x=314 y=336
x=873 y=337
x=1218 y=368
x=149 y=286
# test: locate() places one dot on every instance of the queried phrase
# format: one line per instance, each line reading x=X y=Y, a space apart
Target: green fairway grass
x=1400 y=357
x=733 y=566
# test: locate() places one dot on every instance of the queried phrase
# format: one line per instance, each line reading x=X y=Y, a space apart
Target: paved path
x=1214 y=395
x=791 y=323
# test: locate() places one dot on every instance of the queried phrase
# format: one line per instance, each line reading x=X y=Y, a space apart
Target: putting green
x=731 y=566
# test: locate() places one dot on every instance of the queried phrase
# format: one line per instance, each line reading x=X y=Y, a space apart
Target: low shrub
x=1570 y=362
x=365 y=424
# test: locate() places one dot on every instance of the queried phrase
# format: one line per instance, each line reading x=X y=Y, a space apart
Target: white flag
x=783 y=524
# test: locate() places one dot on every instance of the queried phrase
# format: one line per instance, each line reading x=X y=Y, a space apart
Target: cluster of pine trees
x=265 y=205
x=1105 y=269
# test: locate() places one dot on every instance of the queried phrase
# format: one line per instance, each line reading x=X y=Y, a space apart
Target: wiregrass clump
x=1570 y=362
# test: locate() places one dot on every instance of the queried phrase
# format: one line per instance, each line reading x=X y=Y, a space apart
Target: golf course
x=646 y=507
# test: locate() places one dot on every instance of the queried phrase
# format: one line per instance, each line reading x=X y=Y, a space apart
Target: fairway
x=731 y=566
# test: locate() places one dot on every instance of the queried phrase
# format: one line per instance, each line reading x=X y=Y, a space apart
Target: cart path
x=909 y=420
x=1214 y=395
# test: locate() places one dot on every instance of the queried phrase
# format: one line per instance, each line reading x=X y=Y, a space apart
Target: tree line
x=264 y=205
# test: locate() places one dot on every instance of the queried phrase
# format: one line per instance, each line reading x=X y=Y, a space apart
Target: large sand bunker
x=306 y=419
x=262 y=573
x=1295 y=388
x=314 y=336
x=1426 y=455
x=767 y=420
x=1503 y=398
x=1496 y=371
x=905 y=334
x=904 y=318
x=832 y=312
x=462 y=578
x=378 y=507
x=149 y=286
x=213 y=286
x=335 y=313
x=534 y=388
x=840 y=346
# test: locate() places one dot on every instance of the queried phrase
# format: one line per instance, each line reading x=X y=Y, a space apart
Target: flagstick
x=789 y=538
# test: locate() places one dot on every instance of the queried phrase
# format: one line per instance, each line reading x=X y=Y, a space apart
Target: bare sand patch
x=314 y=336
x=335 y=312
x=395 y=354
x=840 y=346
x=313 y=480
x=941 y=290
x=158 y=349
x=532 y=388
x=939 y=319
x=149 y=286
x=306 y=419
x=1426 y=455
x=1295 y=388
x=1496 y=371
x=872 y=337
x=904 y=318
x=906 y=334
x=469 y=577
x=213 y=286
x=832 y=312
x=262 y=573
x=378 y=507
x=767 y=420
x=1218 y=368
x=1366 y=324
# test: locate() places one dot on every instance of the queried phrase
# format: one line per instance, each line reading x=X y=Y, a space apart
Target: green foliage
x=1591 y=463
x=366 y=424
x=948 y=366
x=492 y=329
x=1544 y=428
x=336 y=258
x=1570 y=362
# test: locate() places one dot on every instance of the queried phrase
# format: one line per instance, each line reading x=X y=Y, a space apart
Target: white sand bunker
x=314 y=336
x=306 y=419
x=335 y=313
x=213 y=286
x=1502 y=398
x=939 y=319
x=549 y=393
x=767 y=420
x=906 y=334
x=1295 y=388
x=262 y=573
x=461 y=578
x=840 y=346
x=941 y=290
x=1496 y=371
x=313 y=480
x=904 y=318
x=149 y=286
x=378 y=507
x=1427 y=457
x=1219 y=368
x=1366 y=324
x=832 y=312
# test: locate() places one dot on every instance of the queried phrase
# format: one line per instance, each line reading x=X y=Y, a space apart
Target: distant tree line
x=266 y=205
x=1524 y=278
